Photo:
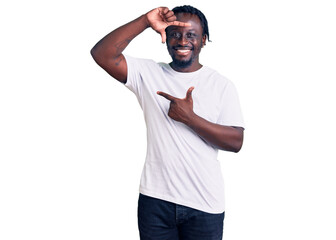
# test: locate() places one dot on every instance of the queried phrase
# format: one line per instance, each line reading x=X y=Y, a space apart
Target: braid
x=195 y=11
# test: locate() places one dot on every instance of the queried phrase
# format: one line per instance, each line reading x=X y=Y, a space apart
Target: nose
x=183 y=40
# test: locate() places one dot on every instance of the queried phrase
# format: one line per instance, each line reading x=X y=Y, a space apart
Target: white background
x=73 y=140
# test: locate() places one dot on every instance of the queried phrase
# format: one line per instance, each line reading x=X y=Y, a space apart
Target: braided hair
x=195 y=11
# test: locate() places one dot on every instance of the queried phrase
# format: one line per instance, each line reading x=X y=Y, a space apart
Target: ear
x=204 y=40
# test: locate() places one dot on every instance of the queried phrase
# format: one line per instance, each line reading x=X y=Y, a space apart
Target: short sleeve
x=134 y=79
x=230 y=113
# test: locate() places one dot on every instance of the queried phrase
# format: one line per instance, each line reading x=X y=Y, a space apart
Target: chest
x=206 y=96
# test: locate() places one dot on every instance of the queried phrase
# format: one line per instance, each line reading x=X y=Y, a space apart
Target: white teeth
x=183 y=51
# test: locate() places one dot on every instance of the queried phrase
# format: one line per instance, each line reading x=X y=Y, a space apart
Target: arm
x=108 y=51
x=223 y=137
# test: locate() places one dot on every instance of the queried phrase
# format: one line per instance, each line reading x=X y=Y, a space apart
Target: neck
x=192 y=68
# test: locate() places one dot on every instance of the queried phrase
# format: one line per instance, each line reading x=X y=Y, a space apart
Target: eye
x=175 y=35
x=191 y=35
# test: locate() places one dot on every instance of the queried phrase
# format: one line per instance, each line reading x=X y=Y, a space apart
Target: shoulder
x=144 y=66
x=218 y=80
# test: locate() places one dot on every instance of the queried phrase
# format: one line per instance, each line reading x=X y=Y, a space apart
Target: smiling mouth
x=182 y=51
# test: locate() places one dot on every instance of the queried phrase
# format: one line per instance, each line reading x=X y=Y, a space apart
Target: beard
x=182 y=63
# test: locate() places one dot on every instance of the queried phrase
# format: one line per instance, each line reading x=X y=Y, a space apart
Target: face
x=184 y=43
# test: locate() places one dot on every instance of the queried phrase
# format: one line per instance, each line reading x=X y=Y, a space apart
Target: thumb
x=163 y=36
x=189 y=96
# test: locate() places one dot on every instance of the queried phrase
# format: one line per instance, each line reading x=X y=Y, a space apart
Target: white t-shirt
x=180 y=166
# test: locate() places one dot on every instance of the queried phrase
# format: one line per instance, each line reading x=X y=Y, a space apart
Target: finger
x=166 y=95
x=171 y=18
x=189 y=95
x=169 y=14
x=180 y=24
x=163 y=36
x=163 y=10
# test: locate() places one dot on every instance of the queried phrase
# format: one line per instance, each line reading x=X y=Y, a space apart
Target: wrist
x=145 y=18
x=192 y=118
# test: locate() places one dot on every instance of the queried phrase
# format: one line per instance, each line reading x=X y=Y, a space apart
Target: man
x=191 y=111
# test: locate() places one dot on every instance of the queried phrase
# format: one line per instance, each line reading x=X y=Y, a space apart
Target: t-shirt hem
x=177 y=201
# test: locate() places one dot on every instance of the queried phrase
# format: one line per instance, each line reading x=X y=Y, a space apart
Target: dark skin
x=184 y=43
x=108 y=51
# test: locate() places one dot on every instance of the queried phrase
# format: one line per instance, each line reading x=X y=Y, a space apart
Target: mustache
x=182 y=47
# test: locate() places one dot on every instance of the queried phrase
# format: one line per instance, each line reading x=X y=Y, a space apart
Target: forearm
x=223 y=137
x=112 y=45
x=108 y=52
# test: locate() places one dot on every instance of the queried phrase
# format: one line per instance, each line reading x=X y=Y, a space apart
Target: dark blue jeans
x=162 y=220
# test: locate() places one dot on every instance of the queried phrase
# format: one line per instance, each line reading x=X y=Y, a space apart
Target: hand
x=180 y=109
x=160 y=18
